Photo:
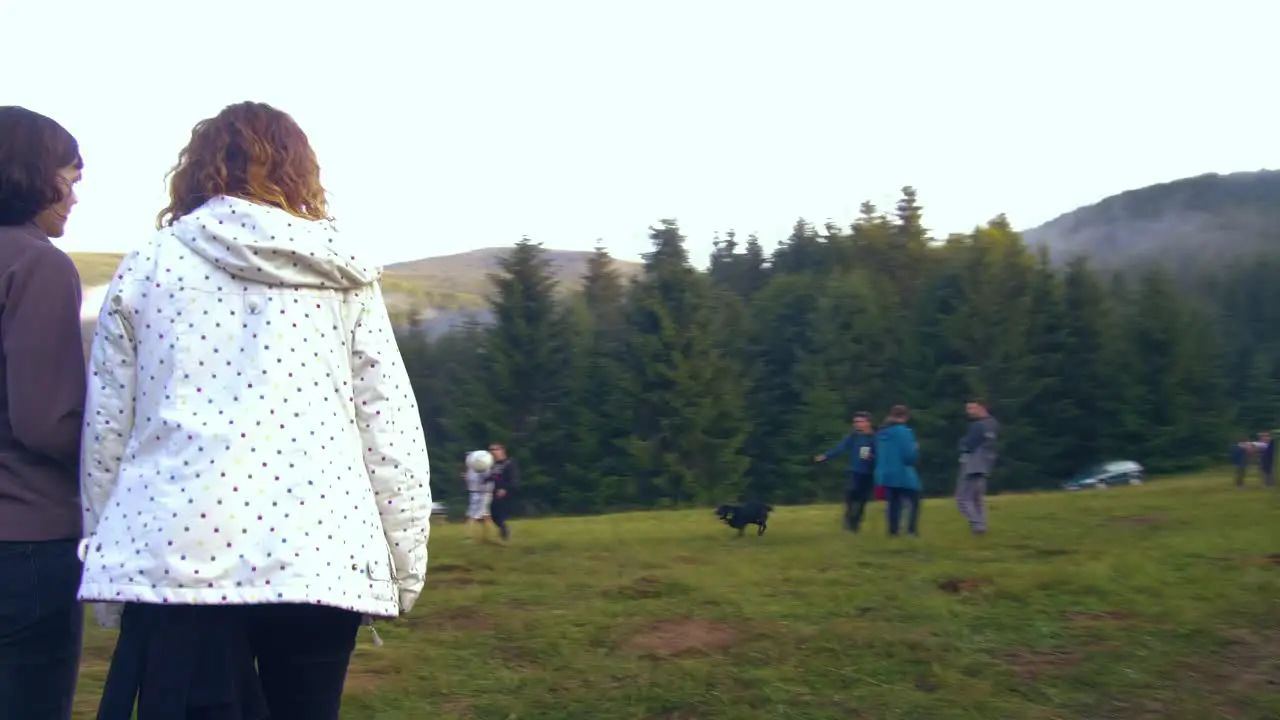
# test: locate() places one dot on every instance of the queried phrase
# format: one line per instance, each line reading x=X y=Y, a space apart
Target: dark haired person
x=41 y=413
x=860 y=443
x=977 y=459
x=505 y=477
x=254 y=472
x=896 y=455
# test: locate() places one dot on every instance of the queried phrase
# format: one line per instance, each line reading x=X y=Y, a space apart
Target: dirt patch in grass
x=687 y=559
x=646 y=587
x=450 y=569
x=459 y=620
x=1251 y=662
x=1030 y=666
x=455 y=581
x=957 y=586
x=1099 y=616
x=677 y=638
x=1139 y=520
x=1272 y=559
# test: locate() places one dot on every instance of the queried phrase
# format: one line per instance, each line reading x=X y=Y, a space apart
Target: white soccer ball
x=480 y=461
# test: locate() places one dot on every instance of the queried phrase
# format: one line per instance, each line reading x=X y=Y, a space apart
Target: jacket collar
x=30 y=230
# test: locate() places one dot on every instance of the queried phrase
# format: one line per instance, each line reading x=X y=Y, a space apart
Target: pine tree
x=526 y=366
x=688 y=424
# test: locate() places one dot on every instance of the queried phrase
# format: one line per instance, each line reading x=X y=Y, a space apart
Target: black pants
x=498 y=510
x=40 y=629
x=898 y=500
x=856 y=497
x=197 y=662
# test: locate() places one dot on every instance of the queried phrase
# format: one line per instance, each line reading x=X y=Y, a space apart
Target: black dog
x=739 y=517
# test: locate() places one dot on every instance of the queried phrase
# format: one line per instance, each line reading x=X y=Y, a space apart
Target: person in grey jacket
x=977 y=459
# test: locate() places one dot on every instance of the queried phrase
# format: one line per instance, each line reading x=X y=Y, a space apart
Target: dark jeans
x=40 y=629
x=498 y=510
x=197 y=662
x=898 y=500
x=856 y=497
x=1241 y=471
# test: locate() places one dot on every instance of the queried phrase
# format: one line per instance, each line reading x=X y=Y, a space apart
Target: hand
x=819 y=458
x=501 y=493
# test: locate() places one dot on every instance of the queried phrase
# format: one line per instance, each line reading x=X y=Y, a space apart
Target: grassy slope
x=447 y=282
x=1149 y=602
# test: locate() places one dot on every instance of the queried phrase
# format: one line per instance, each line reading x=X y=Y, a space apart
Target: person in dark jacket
x=977 y=460
x=1267 y=459
x=41 y=415
x=861 y=445
x=505 y=476
x=896 y=455
x=1240 y=461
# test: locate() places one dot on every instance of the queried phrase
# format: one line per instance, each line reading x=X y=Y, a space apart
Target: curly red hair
x=251 y=151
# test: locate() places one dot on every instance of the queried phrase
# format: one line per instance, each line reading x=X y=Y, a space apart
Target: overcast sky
x=448 y=126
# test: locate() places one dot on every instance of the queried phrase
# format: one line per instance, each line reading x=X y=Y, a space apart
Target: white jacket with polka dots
x=251 y=435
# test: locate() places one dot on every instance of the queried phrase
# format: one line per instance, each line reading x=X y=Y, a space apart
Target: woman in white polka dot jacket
x=254 y=471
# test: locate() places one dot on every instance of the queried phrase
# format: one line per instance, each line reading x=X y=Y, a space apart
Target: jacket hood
x=267 y=245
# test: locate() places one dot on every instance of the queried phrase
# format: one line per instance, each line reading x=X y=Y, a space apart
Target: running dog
x=739 y=517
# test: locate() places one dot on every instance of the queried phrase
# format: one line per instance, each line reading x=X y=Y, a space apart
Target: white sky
x=447 y=126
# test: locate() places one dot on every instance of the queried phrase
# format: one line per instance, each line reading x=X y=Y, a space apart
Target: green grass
x=1147 y=602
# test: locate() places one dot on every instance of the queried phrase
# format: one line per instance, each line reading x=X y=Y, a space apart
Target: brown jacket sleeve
x=44 y=354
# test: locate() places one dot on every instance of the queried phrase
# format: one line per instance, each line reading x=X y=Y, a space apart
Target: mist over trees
x=680 y=386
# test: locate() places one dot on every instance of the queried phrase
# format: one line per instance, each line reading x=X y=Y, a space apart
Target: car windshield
x=1089 y=472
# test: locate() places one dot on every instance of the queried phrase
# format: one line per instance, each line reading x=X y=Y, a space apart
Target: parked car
x=1105 y=475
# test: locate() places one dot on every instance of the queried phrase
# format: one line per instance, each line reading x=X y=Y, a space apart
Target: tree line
x=681 y=386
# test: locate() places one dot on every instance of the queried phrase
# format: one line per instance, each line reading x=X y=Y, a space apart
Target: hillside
x=446 y=290
x=466 y=273
x=1186 y=222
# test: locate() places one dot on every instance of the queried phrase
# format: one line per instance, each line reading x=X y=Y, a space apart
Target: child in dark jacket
x=860 y=444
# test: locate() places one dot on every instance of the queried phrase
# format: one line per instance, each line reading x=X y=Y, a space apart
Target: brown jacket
x=42 y=386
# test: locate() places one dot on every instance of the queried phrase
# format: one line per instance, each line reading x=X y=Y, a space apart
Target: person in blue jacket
x=896 y=453
x=860 y=444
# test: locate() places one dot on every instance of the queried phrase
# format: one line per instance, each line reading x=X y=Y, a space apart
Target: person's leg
x=913 y=510
x=970 y=492
x=893 y=509
x=41 y=623
x=976 y=490
x=498 y=513
x=303 y=652
x=1240 y=470
x=862 y=489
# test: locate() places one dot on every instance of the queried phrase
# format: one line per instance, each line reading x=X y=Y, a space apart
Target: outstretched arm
x=845 y=443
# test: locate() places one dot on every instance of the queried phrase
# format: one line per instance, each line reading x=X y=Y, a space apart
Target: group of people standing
x=489 y=493
x=240 y=479
x=887 y=457
x=1260 y=452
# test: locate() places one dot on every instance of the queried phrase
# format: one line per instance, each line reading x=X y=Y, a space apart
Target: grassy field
x=1161 y=601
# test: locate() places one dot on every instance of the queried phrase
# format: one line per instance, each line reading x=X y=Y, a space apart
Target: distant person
x=1264 y=452
x=1240 y=453
x=896 y=453
x=977 y=460
x=1267 y=459
x=254 y=469
x=505 y=476
x=41 y=414
x=479 y=500
x=860 y=443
